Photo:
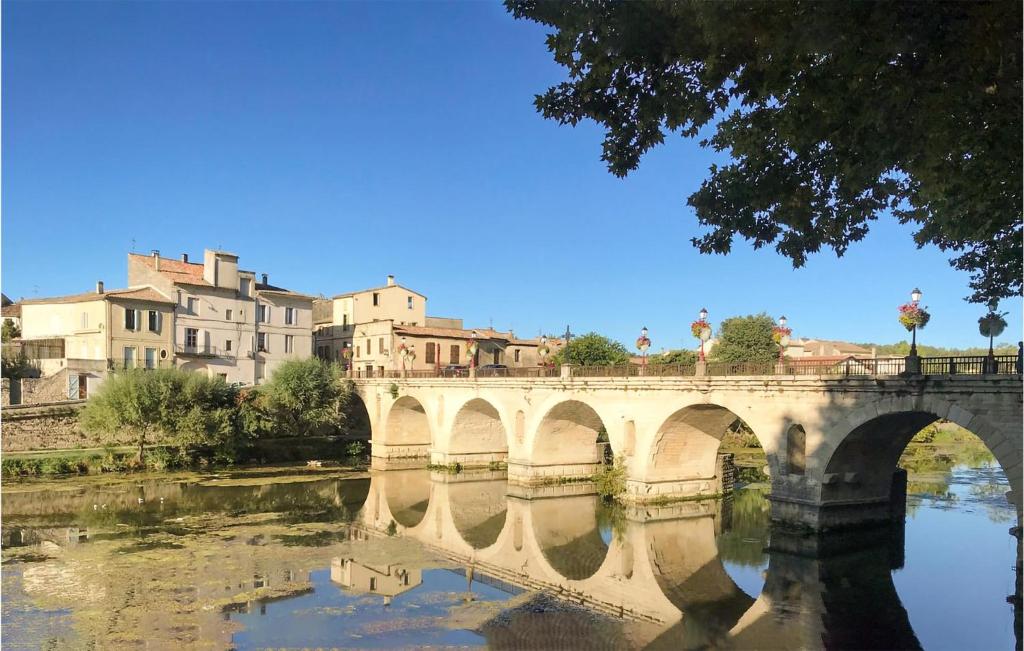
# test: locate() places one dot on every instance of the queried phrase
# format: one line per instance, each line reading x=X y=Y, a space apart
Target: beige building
x=84 y=335
x=335 y=319
x=226 y=323
x=385 y=580
x=373 y=324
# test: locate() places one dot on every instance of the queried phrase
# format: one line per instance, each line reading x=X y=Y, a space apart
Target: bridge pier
x=534 y=474
x=467 y=459
x=386 y=452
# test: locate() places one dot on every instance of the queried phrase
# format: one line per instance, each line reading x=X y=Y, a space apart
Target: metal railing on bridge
x=851 y=367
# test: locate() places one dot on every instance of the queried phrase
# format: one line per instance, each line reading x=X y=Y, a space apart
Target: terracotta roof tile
x=12 y=310
x=175 y=270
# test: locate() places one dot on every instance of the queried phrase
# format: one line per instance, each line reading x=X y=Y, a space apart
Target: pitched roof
x=272 y=289
x=12 y=310
x=451 y=333
x=189 y=273
x=144 y=293
x=377 y=289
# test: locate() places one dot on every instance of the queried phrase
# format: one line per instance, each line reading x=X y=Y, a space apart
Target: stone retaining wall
x=43 y=427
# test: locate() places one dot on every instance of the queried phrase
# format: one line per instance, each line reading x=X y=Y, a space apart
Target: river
x=302 y=558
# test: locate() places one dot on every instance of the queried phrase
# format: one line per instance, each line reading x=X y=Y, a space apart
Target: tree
x=592 y=349
x=16 y=364
x=746 y=339
x=832 y=113
x=302 y=397
x=191 y=411
x=683 y=357
x=9 y=331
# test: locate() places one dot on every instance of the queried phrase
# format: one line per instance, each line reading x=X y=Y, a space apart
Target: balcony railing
x=202 y=351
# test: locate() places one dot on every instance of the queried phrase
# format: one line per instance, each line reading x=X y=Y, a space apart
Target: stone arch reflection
x=568 y=535
x=687 y=567
x=407 y=494
x=479 y=510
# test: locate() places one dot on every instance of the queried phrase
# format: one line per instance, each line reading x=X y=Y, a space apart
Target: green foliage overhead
x=746 y=339
x=302 y=397
x=190 y=411
x=592 y=349
x=684 y=357
x=832 y=114
x=9 y=331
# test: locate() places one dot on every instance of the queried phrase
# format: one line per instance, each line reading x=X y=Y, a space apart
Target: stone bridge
x=656 y=567
x=832 y=444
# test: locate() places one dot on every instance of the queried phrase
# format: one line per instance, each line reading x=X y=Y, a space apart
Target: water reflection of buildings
x=387 y=580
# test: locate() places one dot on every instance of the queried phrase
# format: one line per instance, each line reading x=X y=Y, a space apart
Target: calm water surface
x=406 y=559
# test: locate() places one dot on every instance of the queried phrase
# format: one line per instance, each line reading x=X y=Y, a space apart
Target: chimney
x=391 y=280
x=99 y=286
x=156 y=260
x=184 y=257
x=264 y=279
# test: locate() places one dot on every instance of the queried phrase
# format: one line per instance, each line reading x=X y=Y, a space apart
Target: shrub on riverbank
x=302 y=398
x=193 y=413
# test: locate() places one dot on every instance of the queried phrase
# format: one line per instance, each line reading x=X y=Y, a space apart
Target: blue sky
x=330 y=144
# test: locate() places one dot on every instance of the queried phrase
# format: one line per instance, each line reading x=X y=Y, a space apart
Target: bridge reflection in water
x=657 y=568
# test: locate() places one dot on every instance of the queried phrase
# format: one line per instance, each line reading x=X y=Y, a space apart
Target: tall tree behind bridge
x=746 y=339
x=832 y=113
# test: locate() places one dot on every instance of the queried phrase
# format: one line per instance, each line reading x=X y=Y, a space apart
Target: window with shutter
x=129 y=319
x=430 y=353
x=455 y=355
x=154 y=321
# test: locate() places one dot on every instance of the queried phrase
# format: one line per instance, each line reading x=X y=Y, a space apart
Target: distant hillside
x=903 y=348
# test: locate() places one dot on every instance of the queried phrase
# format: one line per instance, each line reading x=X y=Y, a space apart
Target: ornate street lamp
x=780 y=334
x=346 y=354
x=913 y=316
x=471 y=348
x=643 y=343
x=701 y=329
x=543 y=351
x=991 y=325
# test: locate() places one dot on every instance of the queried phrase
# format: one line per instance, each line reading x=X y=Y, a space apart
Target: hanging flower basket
x=913 y=315
x=991 y=325
x=471 y=348
x=697 y=329
x=543 y=351
x=643 y=343
x=403 y=350
x=778 y=332
x=346 y=353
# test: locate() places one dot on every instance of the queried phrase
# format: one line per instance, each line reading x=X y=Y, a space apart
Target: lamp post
x=346 y=354
x=705 y=332
x=642 y=344
x=991 y=325
x=403 y=352
x=915 y=298
x=471 y=349
x=783 y=337
x=543 y=351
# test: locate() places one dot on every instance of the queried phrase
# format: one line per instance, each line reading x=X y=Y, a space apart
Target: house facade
x=216 y=312
x=84 y=335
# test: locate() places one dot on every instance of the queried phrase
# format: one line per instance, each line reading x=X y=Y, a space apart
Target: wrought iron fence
x=852 y=367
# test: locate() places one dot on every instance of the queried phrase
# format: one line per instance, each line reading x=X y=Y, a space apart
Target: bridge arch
x=407 y=424
x=864 y=452
x=477 y=434
x=568 y=434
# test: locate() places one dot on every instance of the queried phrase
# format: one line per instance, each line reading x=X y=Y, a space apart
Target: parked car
x=494 y=370
x=455 y=370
